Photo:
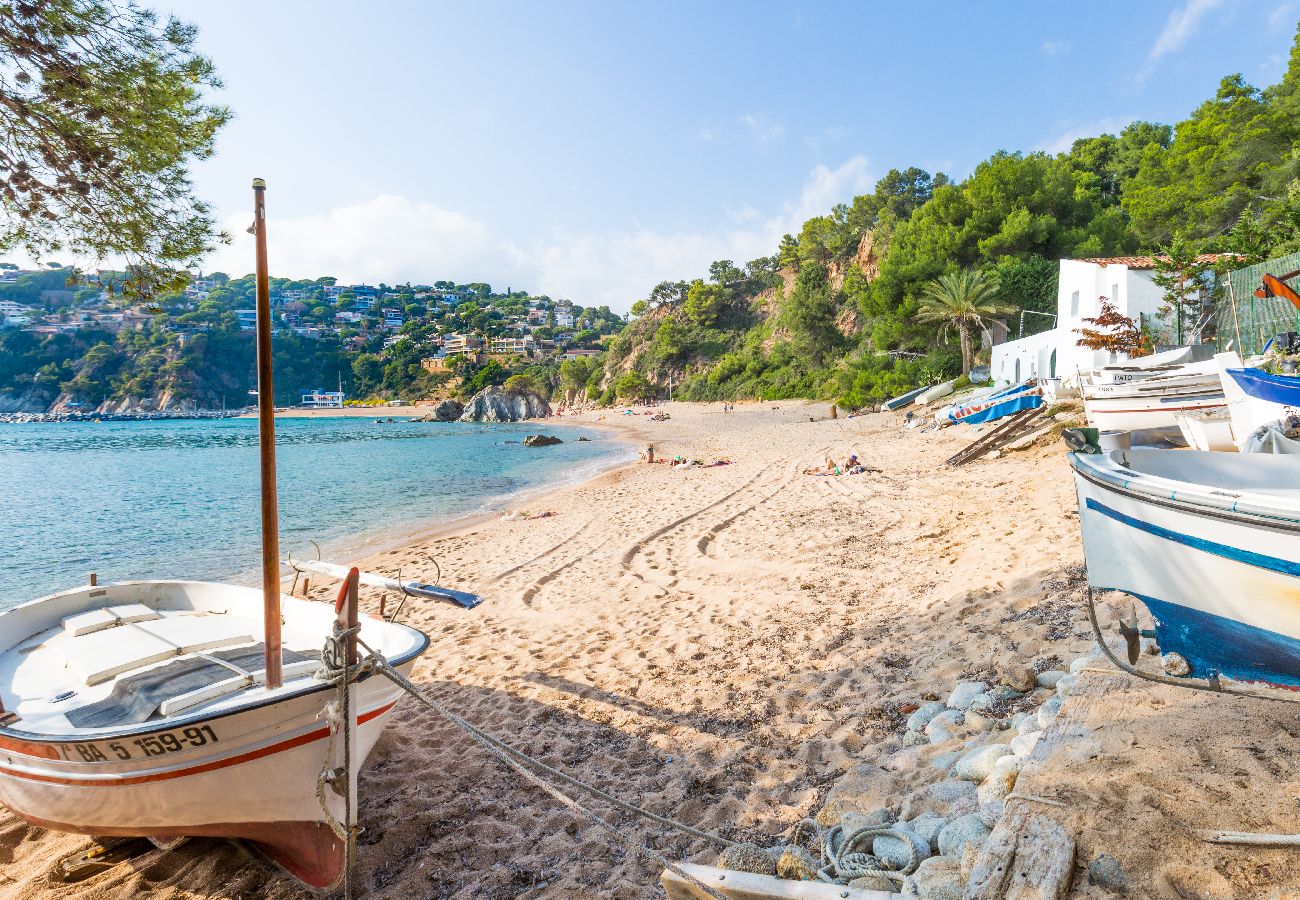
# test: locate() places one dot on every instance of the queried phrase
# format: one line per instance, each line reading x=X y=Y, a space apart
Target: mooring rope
x=516 y=760
x=844 y=861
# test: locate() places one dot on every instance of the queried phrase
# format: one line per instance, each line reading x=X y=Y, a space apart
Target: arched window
x=1017 y=378
x=1051 y=369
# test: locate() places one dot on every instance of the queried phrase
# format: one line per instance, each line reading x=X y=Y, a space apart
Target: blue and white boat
x=1210 y=543
x=995 y=406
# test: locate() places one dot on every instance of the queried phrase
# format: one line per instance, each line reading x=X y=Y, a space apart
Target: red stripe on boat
x=110 y=781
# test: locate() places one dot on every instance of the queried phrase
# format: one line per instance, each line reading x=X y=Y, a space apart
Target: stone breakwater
x=940 y=797
x=26 y=418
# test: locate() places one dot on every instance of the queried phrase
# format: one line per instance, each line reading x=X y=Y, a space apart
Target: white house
x=1127 y=281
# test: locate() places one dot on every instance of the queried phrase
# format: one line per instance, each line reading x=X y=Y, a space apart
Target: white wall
x=1034 y=355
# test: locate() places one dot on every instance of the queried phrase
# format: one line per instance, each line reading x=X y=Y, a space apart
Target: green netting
x=1247 y=321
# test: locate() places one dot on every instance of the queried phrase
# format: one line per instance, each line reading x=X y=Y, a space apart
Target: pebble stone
x=928 y=825
x=1048 y=679
x=960 y=832
x=1048 y=712
x=976 y=764
x=747 y=858
x=874 y=883
x=979 y=721
x=964 y=693
x=1082 y=662
x=1066 y=684
x=1016 y=677
x=1001 y=693
x=1028 y=724
x=938 y=878
x=1024 y=744
x=923 y=714
x=1175 y=664
x=796 y=864
x=945 y=761
x=1105 y=872
x=893 y=851
x=913 y=738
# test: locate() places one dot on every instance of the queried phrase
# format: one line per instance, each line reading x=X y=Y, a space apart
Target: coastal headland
x=727 y=645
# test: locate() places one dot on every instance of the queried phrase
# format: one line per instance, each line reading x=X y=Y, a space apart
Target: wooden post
x=94 y=579
x=266 y=444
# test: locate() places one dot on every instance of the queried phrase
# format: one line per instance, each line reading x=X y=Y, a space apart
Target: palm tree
x=961 y=300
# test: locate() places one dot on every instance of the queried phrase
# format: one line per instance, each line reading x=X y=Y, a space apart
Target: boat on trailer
x=1210 y=544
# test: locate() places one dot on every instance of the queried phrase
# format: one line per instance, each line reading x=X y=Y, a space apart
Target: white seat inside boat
x=102 y=655
x=1266 y=474
x=107 y=617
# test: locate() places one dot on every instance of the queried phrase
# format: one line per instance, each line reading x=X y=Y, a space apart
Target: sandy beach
x=722 y=644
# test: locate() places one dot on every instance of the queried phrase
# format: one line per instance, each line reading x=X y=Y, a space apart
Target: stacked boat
x=1152 y=398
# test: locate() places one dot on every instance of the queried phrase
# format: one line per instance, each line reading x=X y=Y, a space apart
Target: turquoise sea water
x=180 y=499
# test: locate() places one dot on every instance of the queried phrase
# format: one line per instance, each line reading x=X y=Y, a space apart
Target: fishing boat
x=903 y=399
x=1153 y=402
x=143 y=709
x=171 y=709
x=1256 y=398
x=998 y=404
x=1209 y=543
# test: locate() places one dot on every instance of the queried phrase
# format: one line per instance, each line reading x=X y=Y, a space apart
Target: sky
x=591 y=149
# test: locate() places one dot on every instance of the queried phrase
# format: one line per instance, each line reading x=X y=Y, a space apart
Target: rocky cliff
x=494 y=404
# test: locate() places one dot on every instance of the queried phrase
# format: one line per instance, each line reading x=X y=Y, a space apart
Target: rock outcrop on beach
x=541 y=440
x=446 y=411
x=495 y=404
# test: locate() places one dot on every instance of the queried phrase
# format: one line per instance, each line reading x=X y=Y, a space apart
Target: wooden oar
x=410 y=588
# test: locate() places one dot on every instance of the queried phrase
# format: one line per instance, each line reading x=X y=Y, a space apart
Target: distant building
x=14 y=314
x=508 y=345
x=247 y=319
x=563 y=319
x=578 y=352
x=317 y=399
x=456 y=344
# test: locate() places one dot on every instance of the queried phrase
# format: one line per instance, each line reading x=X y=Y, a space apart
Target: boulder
x=494 y=404
x=962 y=831
x=964 y=693
x=448 y=411
x=949 y=799
x=977 y=764
x=937 y=878
x=541 y=440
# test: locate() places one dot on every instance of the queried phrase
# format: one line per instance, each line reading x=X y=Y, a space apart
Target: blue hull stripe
x=1249 y=557
x=1283 y=389
x=1215 y=644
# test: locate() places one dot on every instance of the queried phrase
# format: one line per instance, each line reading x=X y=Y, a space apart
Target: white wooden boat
x=1210 y=543
x=141 y=709
x=1254 y=397
x=1207 y=429
x=1151 y=402
x=936 y=392
x=166 y=709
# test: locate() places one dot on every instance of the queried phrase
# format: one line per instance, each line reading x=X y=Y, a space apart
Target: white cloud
x=1283 y=16
x=1067 y=132
x=1179 y=28
x=762 y=128
x=705 y=134
x=395 y=239
x=1056 y=48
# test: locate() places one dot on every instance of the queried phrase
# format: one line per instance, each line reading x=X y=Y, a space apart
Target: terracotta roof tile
x=1149 y=262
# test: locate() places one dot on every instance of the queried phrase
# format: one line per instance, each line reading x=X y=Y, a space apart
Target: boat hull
x=1131 y=413
x=253 y=777
x=1223 y=587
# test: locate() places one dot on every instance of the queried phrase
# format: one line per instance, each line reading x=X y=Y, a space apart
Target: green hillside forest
x=831 y=314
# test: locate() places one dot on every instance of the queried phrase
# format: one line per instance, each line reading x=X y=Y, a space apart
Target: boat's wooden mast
x=266 y=443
